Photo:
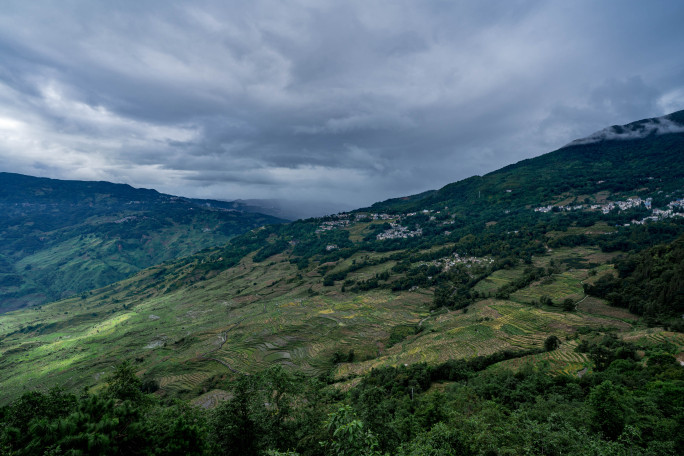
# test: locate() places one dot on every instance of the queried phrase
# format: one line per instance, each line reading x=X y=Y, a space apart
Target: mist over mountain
x=672 y=123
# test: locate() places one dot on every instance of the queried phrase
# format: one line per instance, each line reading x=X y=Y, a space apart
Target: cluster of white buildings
x=622 y=205
x=658 y=214
x=363 y=216
x=344 y=219
x=673 y=209
x=560 y=208
x=331 y=225
x=399 y=232
x=676 y=203
x=126 y=219
x=605 y=208
x=449 y=262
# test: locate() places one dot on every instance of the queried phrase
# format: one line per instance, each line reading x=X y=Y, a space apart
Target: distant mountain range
x=282 y=208
x=59 y=238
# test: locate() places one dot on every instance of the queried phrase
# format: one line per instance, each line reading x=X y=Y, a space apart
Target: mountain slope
x=584 y=167
x=488 y=264
x=59 y=238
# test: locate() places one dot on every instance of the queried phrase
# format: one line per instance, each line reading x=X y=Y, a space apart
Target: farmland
x=255 y=315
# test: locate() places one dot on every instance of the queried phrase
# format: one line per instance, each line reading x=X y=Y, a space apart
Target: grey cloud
x=342 y=101
x=625 y=97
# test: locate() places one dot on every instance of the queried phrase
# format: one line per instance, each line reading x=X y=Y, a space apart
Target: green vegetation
x=62 y=238
x=632 y=406
x=649 y=283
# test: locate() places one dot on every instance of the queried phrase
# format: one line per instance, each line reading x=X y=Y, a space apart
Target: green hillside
x=526 y=298
x=61 y=238
x=574 y=174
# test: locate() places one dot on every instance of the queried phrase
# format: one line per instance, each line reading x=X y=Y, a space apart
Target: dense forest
x=649 y=283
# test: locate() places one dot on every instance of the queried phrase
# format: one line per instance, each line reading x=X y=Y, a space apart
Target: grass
x=564 y=360
x=596 y=306
x=489 y=326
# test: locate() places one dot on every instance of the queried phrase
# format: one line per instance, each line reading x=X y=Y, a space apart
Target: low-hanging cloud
x=349 y=102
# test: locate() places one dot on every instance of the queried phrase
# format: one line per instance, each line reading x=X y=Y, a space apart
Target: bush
x=551 y=343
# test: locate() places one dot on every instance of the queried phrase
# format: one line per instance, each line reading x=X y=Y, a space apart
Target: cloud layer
x=349 y=102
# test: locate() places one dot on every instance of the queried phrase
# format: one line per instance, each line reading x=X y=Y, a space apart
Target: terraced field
x=254 y=315
x=244 y=319
x=498 y=279
x=488 y=327
x=564 y=360
x=559 y=287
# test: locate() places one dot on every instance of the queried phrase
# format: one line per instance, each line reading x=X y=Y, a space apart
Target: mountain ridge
x=553 y=161
x=670 y=123
x=60 y=238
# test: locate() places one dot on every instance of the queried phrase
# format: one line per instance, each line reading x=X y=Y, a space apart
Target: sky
x=337 y=103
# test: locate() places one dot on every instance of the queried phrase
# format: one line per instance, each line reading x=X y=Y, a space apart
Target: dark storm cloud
x=321 y=100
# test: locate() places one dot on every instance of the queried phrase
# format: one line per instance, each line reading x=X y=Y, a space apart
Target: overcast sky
x=350 y=102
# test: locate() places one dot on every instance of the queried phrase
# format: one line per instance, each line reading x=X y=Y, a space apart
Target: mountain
x=636 y=130
x=60 y=238
x=617 y=164
x=539 y=298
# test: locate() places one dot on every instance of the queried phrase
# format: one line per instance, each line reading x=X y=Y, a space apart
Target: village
x=604 y=208
x=399 y=232
x=674 y=208
x=447 y=263
x=396 y=231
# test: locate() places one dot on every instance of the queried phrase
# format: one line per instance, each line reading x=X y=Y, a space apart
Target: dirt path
x=437 y=313
x=585 y=296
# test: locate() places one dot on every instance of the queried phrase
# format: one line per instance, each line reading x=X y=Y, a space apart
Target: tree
x=545 y=301
x=233 y=430
x=124 y=385
x=569 y=304
x=178 y=430
x=348 y=436
x=441 y=440
x=551 y=343
x=608 y=412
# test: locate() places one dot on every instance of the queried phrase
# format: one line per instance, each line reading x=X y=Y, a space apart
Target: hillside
x=586 y=169
x=522 y=272
x=61 y=238
x=533 y=229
